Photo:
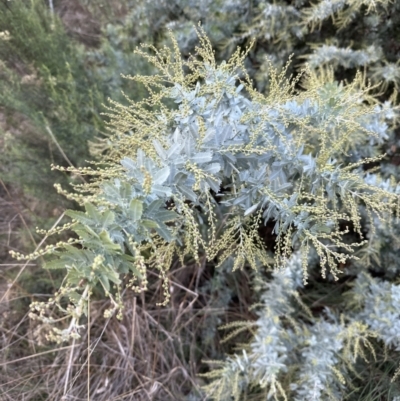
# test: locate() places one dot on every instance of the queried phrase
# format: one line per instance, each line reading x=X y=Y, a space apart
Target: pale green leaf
x=136 y=209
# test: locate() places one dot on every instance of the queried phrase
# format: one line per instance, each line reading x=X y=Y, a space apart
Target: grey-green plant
x=373 y=28
x=290 y=357
x=64 y=92
x=198 y=167
x=231 y=154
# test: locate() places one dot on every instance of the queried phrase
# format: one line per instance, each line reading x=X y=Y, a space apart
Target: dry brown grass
x=154 y=353
x=79 y=22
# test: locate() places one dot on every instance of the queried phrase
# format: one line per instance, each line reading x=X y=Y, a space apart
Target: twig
x=68 y=368
x=62 y=151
